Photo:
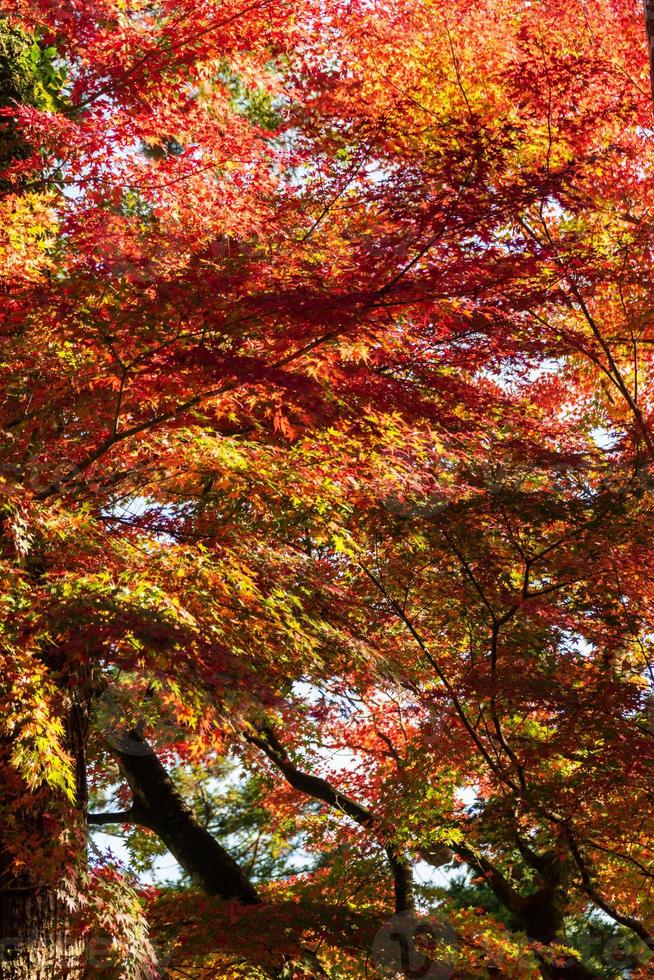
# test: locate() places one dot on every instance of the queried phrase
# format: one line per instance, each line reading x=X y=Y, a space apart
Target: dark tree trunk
x=159 y=806
x=543 y=922
x=36 y=943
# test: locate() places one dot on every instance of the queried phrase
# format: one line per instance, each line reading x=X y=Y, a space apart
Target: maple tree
x=327 y=447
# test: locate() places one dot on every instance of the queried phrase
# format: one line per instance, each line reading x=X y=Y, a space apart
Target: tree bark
x=35 y=940
x=158 y=805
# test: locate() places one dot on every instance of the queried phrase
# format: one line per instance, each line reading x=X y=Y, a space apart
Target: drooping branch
x=321 y=789
x=503 y=890
x=318 y=788
x=454 y=699
x=537 y=913
x=575 y=300
x=590 y=889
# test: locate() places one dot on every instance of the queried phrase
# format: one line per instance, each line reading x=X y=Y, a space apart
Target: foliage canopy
x=327 y=504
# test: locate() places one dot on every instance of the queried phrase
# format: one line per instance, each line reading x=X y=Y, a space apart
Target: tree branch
x=320 y=789
x=100 y=819
x=160 y=807
x=589 y=888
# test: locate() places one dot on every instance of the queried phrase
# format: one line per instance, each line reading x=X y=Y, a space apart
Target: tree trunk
x=160 y=807
x=35 y=942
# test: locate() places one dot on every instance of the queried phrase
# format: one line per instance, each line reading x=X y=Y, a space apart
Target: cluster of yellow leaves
x=27 y=235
